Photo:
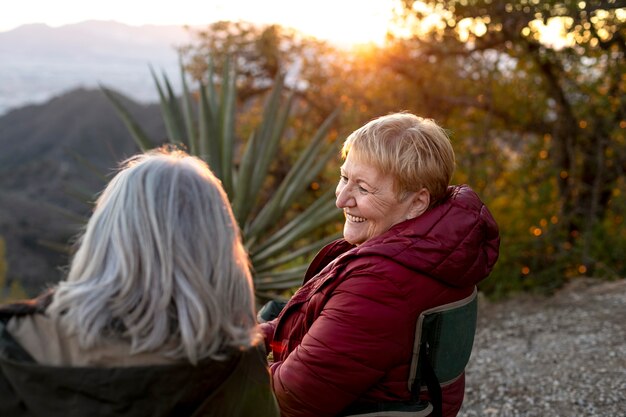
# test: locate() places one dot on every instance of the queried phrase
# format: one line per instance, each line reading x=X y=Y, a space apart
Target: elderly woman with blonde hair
x=156 y=315
x=344 y=343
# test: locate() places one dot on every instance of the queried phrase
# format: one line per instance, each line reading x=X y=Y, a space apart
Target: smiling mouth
x=355 y=219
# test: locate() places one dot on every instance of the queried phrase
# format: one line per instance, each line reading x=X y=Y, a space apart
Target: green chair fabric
x=444 y=337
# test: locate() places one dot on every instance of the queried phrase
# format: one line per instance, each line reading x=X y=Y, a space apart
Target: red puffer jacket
x=348 y=333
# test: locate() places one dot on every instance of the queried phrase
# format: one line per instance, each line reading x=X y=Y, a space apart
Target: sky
x=341 y=21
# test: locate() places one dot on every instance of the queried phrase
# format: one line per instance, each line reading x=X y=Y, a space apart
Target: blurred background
x=531 y=92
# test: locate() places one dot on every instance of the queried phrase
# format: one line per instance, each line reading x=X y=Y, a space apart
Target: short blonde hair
x=416 y=151
x=161 y=264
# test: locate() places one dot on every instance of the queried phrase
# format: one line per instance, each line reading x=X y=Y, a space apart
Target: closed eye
x=363 y=190
x=343 y=179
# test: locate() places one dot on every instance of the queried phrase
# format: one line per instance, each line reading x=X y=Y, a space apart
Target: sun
x=345 y=22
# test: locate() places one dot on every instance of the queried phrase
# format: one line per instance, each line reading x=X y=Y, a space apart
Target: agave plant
x=279 y=250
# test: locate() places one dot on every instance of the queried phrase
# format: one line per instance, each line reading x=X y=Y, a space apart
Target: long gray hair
x=160 y=264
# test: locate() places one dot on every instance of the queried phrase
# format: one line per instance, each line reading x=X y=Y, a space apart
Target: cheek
x=381 y=206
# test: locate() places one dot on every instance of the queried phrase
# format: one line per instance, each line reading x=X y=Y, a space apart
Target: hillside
x=50 y=155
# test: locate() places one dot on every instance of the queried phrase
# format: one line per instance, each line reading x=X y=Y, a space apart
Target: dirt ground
x=557 y=356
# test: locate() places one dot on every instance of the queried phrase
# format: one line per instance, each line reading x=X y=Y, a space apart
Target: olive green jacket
x=236 y=387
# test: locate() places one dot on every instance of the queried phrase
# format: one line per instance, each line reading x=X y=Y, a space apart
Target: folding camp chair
x=444 y=337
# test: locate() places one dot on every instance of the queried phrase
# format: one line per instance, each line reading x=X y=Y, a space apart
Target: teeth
x=355 y=219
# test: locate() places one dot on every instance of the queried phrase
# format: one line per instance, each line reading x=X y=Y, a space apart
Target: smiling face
x=370 y=203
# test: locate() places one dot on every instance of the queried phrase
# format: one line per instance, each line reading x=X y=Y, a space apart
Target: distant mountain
x=38 y=62
x=52 y=157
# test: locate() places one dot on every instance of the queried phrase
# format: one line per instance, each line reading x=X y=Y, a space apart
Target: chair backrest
x=444 y=336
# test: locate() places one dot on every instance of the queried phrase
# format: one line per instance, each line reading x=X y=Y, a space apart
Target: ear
x=420 y=201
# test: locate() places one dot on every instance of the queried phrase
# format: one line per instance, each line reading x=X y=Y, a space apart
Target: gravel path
x=556 y=356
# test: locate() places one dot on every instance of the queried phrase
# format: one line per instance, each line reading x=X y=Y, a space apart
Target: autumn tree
x=320 y=74
x=554 y=106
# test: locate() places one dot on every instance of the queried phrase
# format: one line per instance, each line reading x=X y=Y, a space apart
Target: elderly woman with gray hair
x=156 y=315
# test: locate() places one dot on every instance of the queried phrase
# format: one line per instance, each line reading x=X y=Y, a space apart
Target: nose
x=344 y=197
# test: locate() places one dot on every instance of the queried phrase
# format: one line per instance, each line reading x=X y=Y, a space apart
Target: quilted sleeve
x=267 y=331
x=348 y=348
